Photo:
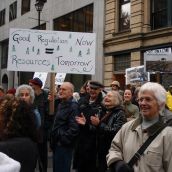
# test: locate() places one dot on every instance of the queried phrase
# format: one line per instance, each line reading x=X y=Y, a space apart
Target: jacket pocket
x=153 y=158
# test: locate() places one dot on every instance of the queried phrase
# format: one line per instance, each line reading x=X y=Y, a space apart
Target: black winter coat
x=86 y=150
x=65 y=128
x=111 y=120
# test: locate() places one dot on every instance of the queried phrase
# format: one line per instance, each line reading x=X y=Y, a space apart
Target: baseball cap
x=36 y=81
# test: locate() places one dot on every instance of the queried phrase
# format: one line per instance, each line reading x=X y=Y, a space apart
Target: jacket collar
x=152 y=129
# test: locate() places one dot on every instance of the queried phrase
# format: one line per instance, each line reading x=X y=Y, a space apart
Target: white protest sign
x=51 y=51
x=136 y=74
x=42 y=76
x=59 y=79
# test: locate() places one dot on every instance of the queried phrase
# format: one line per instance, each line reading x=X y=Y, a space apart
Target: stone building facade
x=133 y=27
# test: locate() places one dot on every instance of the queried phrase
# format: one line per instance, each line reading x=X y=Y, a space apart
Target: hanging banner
x=51 y=51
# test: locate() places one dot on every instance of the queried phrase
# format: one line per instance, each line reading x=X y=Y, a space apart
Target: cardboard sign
x=42 y=76
x=51 y=51
x=136 y=74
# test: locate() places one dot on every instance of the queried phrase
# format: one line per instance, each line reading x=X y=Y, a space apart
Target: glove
x=120 y=166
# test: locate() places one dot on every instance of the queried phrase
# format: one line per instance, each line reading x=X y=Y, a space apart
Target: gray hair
x=119 y=100
x=70 y=85
x=28 y=87
x=158 y=91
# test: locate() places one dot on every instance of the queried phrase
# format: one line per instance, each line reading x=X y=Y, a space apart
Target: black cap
x=96 y=84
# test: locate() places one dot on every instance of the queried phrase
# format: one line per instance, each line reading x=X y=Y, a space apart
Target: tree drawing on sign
x=52 y=67
x=38 y=51
x=88 y=51
x=27 y=51
x=58 y=48
x=70 y=35
x=33 y=49
x=70 y=49
x=13 y=49
x=80 y=54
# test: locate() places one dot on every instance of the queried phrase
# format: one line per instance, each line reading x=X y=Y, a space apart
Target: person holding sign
x=65 y=129
x=41 y=103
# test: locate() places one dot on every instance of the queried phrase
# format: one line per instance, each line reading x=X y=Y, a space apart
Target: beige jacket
x=156 y=158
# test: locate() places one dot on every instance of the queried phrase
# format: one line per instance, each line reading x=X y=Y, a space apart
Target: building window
x=122 y=62
x=161 y=13
x=25 y=6
x=79 y=21
x=13 y=11
x=124 y=15
x=2 y=17
x=4 y=54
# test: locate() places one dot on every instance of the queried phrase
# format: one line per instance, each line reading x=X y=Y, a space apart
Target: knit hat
x=11 y=91
x=36 y=81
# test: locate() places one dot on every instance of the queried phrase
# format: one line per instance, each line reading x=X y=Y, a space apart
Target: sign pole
x=52 y=91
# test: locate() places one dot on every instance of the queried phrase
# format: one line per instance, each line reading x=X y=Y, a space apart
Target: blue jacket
x=65 y=128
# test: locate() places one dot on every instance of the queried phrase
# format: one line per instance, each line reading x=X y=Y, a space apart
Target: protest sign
x=42 y=76
x=136 y=75
x=51 y=51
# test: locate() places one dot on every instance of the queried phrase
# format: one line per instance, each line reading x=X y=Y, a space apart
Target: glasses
x=146 y=99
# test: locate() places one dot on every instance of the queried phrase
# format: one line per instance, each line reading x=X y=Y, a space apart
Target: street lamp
x=39 y=6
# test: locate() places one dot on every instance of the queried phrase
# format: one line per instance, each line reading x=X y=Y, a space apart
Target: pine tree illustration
x=80 y=54
x=88 y=51
x=38 y=51
x=27 y=51
x=58 y=48
x=52 y=67
x=13 y=49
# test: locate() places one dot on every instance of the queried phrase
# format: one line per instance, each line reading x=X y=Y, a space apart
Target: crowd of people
x=92 y=130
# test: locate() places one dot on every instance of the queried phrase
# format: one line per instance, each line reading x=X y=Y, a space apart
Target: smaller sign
x=59 y=79
x=42 y=76
x=136 y=75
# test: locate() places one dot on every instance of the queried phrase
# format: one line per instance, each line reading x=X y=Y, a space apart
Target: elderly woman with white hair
x=157 y=155
x=25 y=92
x=111 y=119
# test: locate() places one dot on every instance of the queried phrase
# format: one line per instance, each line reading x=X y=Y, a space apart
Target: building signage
x=158 y=60
x=51 y=51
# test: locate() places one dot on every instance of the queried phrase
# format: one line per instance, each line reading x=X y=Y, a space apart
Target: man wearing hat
x=41 y=103
x=90 y=106
x=169 y=98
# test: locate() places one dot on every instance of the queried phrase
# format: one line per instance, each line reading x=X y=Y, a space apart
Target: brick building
x=133 y=27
